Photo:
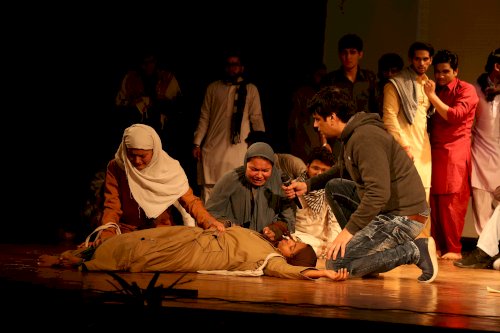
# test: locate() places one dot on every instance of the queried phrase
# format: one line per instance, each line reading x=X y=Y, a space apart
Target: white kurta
x=315 y=228
x=219 y=155
x=486 y=144
x=485 y=152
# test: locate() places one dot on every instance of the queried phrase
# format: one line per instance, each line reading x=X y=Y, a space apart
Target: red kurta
x=451 y=164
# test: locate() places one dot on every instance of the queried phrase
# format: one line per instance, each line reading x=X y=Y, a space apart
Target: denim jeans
x=342 y=196
x=385 y=243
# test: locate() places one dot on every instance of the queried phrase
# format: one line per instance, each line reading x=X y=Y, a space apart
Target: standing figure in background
x=450 y=127
x=302 y=136
x=150 y=95
x=486 y=143
x=315 y=223
x=361 y=83
x=389 y=64
x=143 y=184
x=230 y=109
x=405 y=112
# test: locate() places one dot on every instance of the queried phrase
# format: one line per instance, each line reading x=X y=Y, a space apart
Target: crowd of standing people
x=390 y=163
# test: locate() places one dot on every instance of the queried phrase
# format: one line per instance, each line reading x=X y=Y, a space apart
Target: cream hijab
x=162 y=182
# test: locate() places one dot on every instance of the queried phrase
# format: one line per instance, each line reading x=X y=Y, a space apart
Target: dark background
x=63 y=68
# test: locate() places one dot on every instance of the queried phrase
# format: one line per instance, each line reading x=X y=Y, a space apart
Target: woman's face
x=258 y=170
x=139 y=158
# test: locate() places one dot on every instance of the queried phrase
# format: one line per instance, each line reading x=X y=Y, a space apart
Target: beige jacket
x=190 y=249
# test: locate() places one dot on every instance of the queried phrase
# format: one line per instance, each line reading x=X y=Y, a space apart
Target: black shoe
x=428 y=259
x=476 y=259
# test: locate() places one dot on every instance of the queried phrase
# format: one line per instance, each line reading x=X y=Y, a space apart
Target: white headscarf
x=162 y=182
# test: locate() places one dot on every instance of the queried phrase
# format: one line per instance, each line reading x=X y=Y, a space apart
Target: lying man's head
x=297 y=253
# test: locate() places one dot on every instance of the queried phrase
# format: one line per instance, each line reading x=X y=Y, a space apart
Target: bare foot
x=66 y=259
x=452 y=256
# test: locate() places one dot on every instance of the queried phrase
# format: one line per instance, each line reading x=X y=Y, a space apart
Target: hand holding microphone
x=287 y=181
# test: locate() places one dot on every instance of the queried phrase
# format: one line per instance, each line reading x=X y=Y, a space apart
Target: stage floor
x=458 y=300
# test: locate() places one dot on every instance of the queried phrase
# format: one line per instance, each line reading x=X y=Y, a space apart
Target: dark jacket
x=386 y=179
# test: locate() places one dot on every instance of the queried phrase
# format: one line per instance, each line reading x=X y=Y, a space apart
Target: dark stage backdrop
x=65 y=65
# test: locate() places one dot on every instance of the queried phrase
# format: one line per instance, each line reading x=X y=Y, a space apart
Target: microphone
x=286 y=180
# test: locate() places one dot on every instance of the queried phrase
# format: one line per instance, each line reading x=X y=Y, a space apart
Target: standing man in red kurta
x=450 y=135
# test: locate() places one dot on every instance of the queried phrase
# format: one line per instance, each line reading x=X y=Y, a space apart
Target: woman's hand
x=217 y=225
x=269 y=233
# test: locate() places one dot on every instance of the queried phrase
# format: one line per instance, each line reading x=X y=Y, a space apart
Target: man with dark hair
x=237 y=251
x=315 y=223
x=361 y=83
x=388 y=65
x=231 y=107
x=450 y=126
x=383 y=206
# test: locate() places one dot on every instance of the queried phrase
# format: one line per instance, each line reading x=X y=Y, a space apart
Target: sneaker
x=428 y=259
x=476 y=259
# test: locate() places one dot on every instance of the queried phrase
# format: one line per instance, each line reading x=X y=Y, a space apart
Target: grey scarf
x=406 y=87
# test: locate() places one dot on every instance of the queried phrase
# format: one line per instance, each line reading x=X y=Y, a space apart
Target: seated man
x=315 y=223
x=237 y=251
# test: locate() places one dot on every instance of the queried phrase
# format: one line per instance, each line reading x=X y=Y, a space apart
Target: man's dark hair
x=419 y=46
x=259 y=136
x=388 y=61
x=446 y=57
x=350 y=41
x=332 y=99
x=305 y=257
x=493 y=58
x=321 y=154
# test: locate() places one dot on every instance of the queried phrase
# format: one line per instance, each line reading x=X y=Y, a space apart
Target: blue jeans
x=342 y=196
x=385 y=243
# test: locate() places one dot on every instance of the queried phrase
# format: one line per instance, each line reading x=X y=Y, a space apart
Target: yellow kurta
x=411 y=136
x=414 y=135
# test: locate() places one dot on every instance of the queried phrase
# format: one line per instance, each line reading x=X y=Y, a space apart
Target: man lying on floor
x=237 y=251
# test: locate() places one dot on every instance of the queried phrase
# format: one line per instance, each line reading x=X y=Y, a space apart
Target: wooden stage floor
x=66 y=300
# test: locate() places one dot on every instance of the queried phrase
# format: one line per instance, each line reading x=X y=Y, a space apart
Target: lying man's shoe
x=428 y=259
x=476 y=259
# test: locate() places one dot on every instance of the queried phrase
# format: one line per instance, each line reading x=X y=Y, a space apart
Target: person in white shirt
x=315 y=223
x=231 y=108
